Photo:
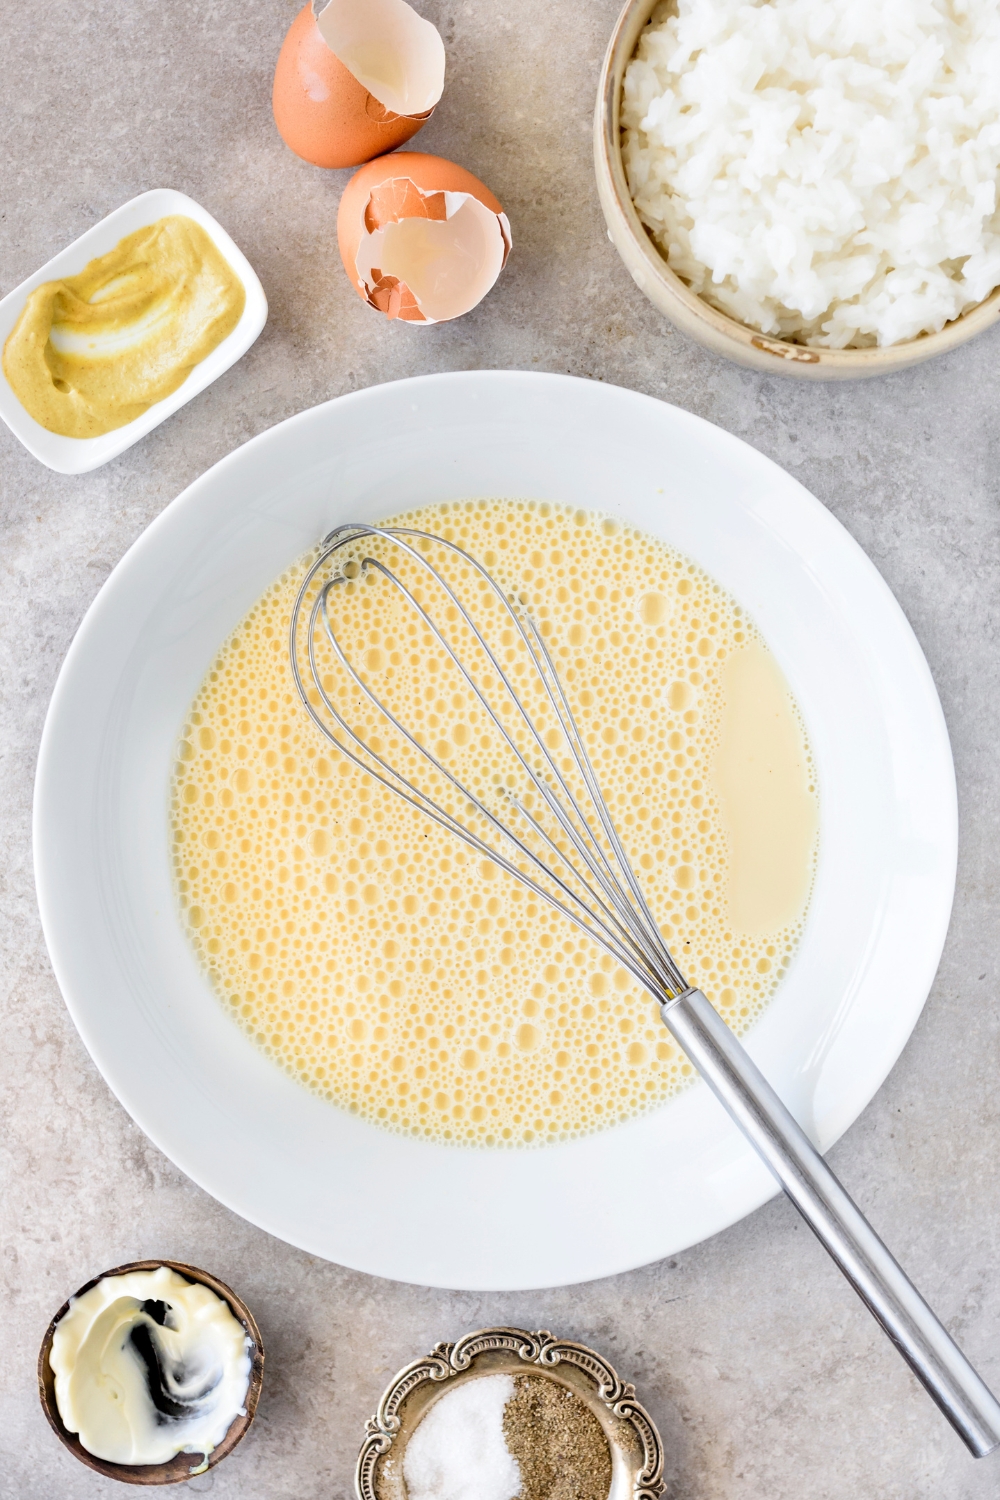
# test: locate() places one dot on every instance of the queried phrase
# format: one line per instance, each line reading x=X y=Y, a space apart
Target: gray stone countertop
x=767 y=1379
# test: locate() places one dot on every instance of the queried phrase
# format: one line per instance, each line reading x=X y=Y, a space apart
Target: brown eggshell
x=378 y=191
x=321 y=110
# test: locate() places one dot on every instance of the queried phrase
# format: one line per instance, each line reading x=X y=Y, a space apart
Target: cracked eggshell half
x=355 y=80
x=421 y=239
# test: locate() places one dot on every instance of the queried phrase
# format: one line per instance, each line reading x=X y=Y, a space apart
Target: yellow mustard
x=94 y=351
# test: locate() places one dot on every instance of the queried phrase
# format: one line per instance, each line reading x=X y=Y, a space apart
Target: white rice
x=825 y=172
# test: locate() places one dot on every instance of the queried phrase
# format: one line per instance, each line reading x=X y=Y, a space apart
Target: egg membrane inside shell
x=426 y=257
x=394 y=53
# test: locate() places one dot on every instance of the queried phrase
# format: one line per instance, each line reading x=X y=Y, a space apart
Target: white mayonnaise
x=149 y=1365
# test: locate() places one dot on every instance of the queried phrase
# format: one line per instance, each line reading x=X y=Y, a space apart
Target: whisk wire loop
x=534 y=644
x=447 y=819
x=594 y=882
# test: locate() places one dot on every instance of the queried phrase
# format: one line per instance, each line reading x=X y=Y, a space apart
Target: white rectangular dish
x=68 y=455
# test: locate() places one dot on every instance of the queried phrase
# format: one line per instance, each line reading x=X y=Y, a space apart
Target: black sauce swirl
x=177 y=1392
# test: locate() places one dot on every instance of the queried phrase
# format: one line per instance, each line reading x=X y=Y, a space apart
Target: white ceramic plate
x=315 y=1175
x=79 y=455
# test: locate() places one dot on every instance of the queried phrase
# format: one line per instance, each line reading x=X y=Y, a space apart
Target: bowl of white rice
x=807 y=187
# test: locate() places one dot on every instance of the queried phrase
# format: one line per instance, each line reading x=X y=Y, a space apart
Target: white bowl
x=68 y=455
x=316 y=1175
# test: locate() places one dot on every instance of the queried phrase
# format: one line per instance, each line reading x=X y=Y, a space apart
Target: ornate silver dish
x=636 y=1449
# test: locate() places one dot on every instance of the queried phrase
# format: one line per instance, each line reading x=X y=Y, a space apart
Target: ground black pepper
x=557 y=1441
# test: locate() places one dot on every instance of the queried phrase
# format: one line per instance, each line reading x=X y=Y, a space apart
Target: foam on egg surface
x=400 y=975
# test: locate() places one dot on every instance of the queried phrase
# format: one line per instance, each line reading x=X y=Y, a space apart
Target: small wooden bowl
x=689 y=312
x=182 y=1465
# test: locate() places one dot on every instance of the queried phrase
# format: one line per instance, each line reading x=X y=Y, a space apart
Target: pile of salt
x=458 y=1451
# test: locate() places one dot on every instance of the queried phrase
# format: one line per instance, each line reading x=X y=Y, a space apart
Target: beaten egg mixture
x=403 y=977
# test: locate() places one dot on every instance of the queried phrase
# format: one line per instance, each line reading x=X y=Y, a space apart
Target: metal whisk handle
x=836 y=1220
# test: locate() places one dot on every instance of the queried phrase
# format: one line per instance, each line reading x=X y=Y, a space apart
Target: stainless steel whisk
x=546 y=822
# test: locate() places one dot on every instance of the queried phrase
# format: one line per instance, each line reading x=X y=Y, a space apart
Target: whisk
x=535 y=809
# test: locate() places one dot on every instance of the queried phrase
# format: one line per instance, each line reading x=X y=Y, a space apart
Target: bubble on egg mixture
x=394 y=971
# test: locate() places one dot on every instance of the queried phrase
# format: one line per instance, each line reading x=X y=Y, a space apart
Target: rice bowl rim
x=689 y=312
